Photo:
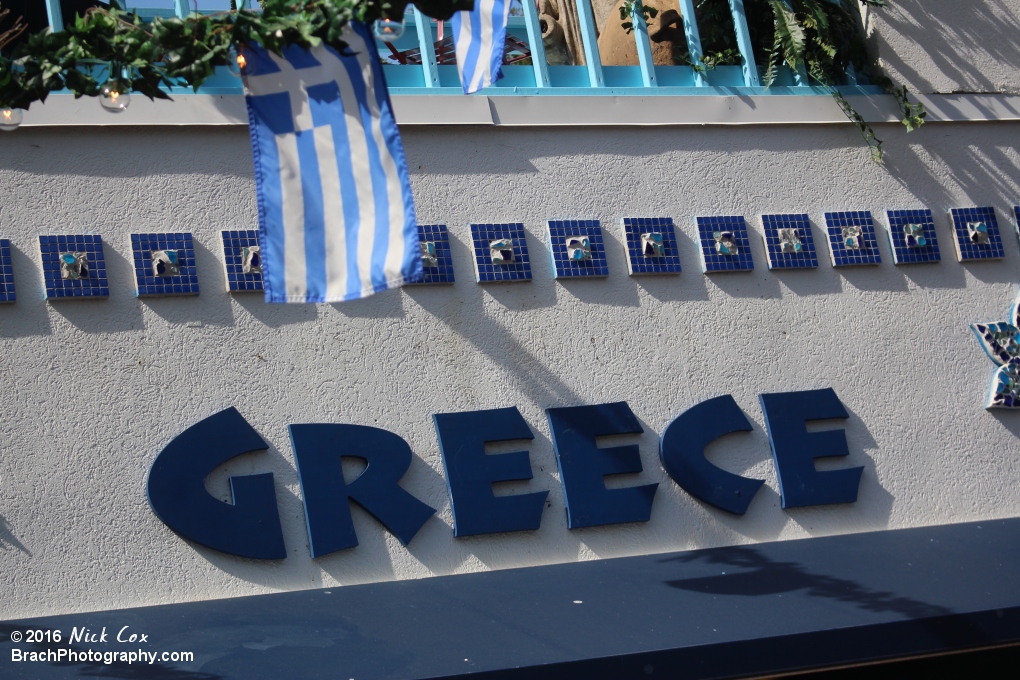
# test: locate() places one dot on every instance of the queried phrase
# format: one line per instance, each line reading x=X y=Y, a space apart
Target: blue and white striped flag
x=480 y=39
x=336 y=216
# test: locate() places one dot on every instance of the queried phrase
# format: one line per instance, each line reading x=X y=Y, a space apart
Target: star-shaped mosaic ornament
x=1001 y=341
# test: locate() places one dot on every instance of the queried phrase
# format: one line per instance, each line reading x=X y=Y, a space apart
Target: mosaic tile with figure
x=164 y=264
x=651 y=245
x=912 y=236
x=501 y=252
x=243 y=258
x=577 y=249
x=725 y=246
x=74 y=266
x=852 y=239
x=788 y=241
x=436 y=258
x=977 y=234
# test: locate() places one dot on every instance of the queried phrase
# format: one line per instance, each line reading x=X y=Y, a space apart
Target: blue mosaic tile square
x=788 y=241
x=1016 y=217
x=855 y=225
x=968 y=245
x=912 y=236
x=6 y=272
x=437 y=260
x=577 y=248
x=85 y=264
x=144 y=248
x=712 y=259
x=647 y=254
x=516 y=265
x=235 y=244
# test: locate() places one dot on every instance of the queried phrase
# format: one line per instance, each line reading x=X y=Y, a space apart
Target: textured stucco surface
x=93 y=390
x=948 y=46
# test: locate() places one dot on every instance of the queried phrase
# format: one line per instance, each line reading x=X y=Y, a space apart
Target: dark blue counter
x=738 y=611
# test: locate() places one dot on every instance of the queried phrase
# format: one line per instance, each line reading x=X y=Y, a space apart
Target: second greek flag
x=480 y=39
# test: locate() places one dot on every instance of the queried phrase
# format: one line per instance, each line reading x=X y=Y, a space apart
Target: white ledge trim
x=209 y=109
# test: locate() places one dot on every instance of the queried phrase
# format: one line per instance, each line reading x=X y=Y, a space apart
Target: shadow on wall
x=949 y=33
x=131 y=153
x=215 y=310
x=8 y=540
x=987 y=174
x=118 y=313
x=1007 y=420
x=269 y=573
x=811 y=169
x=29 y=316
x=467 y=317
x=275 y=315
x=874 y=503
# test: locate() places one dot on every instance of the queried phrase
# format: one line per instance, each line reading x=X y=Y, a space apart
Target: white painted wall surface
x=92 y=390
x=948 y=46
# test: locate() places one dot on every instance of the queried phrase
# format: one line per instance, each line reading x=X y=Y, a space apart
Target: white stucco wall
x=948 y=46
x=92 y=391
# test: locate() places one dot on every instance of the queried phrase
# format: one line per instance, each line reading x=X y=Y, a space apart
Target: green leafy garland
x=117 y=45
x=820 y=37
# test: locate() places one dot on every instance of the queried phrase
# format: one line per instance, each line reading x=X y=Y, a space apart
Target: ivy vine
x=177 y=52
x=819 y=38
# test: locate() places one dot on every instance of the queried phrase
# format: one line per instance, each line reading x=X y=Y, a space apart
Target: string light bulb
x=10 y=118
x=388 y=30
x=236 y=62
x=115 y=95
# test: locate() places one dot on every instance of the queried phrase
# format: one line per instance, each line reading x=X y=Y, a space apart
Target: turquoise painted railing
x=541 y=78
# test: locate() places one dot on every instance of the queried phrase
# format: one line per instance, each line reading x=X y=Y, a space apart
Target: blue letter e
x=584 y=466
x=794 y=449
x=470 y=473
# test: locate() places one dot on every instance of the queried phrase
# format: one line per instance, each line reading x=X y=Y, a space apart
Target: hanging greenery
x=109 y=53
x=104 y=45
x=820 y=38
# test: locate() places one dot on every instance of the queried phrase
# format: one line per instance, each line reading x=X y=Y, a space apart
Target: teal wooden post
x=55 y=16
x=428 y=50
x=744 y=43
x=534 y=27
x=644 y=47
x=693 y=40
x=591 y=43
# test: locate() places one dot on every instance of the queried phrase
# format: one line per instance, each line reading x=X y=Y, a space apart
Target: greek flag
x=480 y=37
x=336 y=216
